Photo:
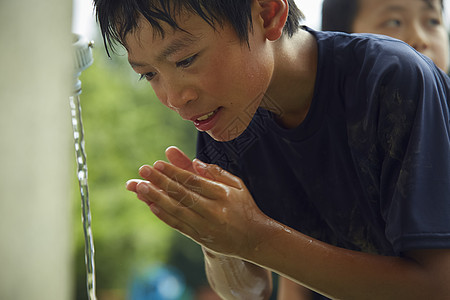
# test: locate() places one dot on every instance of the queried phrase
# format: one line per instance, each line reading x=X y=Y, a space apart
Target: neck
x=291 y=89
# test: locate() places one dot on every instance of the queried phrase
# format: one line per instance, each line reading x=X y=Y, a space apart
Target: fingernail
x=128 y=182
x=145 y=171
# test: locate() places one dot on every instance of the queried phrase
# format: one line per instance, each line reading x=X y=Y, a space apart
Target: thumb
x=216 y=173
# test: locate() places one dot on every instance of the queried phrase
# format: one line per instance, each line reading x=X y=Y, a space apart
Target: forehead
x=145 y=32
x=146 y=41
x=392 y=5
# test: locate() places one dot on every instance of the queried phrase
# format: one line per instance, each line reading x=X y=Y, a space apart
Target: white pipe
x=36 y=155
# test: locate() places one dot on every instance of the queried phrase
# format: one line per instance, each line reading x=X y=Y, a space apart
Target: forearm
x=226 y=219
x=344 y=274
x=232 y=278
x=288 y=290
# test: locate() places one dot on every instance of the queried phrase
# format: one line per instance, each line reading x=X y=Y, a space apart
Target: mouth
x=207 y=121
x=206 y=117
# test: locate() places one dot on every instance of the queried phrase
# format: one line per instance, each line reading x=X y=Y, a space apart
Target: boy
x=417 y=22
x=339 y=146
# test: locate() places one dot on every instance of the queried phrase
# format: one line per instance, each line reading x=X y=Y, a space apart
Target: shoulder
x=368 y=53
x=338 y=41
x=369 y=64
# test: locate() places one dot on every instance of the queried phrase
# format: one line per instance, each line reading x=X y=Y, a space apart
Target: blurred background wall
x=35 y=148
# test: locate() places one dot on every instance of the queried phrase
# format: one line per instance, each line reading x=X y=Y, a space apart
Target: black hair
x=117 y=18
x=339 y=15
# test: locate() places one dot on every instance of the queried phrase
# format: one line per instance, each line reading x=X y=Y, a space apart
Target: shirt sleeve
x=414 y=134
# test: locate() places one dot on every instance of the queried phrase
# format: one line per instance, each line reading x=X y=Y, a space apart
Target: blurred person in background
x=417 y=22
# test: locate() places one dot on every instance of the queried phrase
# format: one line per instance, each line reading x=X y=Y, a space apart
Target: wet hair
x=118 y=18
x=339 y=15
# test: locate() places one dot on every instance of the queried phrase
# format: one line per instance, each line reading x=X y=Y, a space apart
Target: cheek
x=236 y=77
x=253 y=73
x=362 y=24
x=440 y=50
x=160 y=94
x=222 y=78
x=214 y=82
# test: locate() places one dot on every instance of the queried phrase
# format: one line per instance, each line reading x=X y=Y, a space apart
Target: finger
x=179 y=159
x=149 y=193
x=216 y=173
x=132 y=184
x=181 y=191
x=176 y=179
x=177 y=217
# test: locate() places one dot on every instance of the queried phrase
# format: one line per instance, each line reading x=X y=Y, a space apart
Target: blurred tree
x=125 y=126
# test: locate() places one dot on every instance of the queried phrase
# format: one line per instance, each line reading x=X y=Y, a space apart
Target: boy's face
x=417 y=22
x=207 y=76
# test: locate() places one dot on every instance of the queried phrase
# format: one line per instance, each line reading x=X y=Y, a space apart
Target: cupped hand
x=202 y=201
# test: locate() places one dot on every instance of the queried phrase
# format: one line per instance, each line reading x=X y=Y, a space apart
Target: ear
x=274 y=14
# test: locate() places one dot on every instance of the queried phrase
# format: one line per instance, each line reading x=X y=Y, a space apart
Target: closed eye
x=186 y=62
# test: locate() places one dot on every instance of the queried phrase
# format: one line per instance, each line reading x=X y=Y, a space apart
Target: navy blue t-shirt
x=369 y=167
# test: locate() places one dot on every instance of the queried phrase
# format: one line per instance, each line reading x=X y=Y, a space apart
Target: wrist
x=267 y=236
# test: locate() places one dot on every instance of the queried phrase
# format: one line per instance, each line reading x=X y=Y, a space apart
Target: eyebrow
x=175 y=46
x=394 y=8
x=428 y=3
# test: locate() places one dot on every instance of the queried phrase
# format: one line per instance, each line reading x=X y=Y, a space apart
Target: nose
x=417 y=38
x=176 y=94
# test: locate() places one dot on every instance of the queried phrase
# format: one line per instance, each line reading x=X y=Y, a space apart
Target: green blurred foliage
x=126 y=126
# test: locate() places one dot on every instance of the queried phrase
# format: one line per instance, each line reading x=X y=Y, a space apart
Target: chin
x=224 y=137
x=234 y=127
x=229 y=133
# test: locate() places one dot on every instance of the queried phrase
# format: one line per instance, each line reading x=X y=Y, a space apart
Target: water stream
x=82 y=172
x=82 y=60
